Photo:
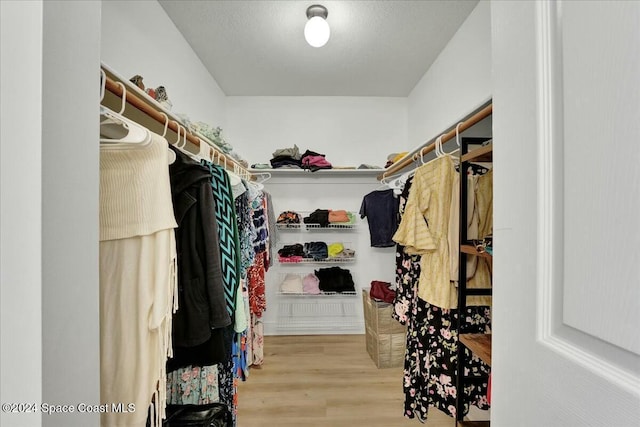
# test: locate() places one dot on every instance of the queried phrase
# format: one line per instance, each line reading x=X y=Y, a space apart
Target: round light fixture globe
x=317 y=30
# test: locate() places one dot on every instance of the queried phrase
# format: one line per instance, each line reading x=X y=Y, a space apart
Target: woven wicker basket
x=385 y=336
x=377 y=316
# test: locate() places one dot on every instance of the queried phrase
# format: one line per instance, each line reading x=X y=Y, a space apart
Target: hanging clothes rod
x=464 y=125
x=115 y=88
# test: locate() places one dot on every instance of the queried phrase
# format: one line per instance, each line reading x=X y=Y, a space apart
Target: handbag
x=381 y=291
x=209 y=415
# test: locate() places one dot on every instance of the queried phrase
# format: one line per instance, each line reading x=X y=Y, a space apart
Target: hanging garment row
x=427 y=259
x=184 y=246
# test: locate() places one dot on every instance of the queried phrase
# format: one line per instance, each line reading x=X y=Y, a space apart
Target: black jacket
x=201 y=303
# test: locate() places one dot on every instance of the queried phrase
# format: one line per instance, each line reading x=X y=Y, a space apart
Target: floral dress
x=431 y=346
x=193 y=385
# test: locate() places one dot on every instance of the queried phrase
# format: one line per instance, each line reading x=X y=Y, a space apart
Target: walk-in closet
x=285 y=213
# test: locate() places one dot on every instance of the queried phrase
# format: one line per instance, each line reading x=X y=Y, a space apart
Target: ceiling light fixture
x=317 y=30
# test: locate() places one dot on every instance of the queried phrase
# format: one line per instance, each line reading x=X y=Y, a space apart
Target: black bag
x=210 y=415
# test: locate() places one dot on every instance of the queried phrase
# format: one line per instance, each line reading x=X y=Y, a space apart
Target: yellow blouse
x=424 y=230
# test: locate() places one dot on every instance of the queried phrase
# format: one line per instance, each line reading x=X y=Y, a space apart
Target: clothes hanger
x=204 y=151
x=117 y=131
x=233 y=175
x=441 y=152
x=258 y=185
x=383 y=184
x=458 y=133
x=234 y=179
x=175 y=144
x=457 y=142
x=422 y=162
x=438 y=150
x=397 y=183
x=183 y=147
x=172 y=154
x=244 y=174
x=184 y=141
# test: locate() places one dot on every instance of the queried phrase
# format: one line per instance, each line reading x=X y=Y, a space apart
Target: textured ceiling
x=377 y=48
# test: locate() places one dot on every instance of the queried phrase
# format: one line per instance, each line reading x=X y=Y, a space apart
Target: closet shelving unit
x=320 y=295
x=305 y=312
x=330 y=260
x=318 y=227
x=319 y=173
x=119 y=90
x=478 y=344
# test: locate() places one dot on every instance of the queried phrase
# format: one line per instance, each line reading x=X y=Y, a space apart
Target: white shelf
x=306 y=315
x=303 y=173
x=318 y=227
x=130 y=87
x=331 y=227
x=282 y=226
x=320 y=295
x=321 y=261
x=328 y=260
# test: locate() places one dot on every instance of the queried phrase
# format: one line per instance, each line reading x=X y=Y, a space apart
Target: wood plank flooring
x=324 y=381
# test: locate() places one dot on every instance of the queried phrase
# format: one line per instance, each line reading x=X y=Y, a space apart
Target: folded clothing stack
x=311 y=284
x=291 y=253
x=292 y=284
x=335 y=279
x=319 y=216
x=338 y=216
x=288 y=217
x=295 y=284
x=286 y=158
x=316 y=250
x=325 y=217
x=292 y=159
x=337 y=250
x=314 y=161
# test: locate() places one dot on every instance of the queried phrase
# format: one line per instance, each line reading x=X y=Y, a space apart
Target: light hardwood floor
x=324 y=381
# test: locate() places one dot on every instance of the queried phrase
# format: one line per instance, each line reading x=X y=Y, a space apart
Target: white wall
x=349 y=130
x=20 y=198
x=70 y=188
x=49 y=196
x=458 y=82
x=139 y=38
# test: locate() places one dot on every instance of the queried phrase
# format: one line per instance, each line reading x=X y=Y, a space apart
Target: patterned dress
x=193 y=385
x=432 y=340
x=227 y=232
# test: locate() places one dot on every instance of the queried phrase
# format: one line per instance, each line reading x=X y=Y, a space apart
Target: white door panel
x=566 y=197
x=600 y=65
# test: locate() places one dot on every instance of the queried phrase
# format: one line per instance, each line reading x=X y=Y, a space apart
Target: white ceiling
x=377 y=48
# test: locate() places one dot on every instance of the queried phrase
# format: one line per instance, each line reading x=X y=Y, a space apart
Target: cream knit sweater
x=135 y=193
